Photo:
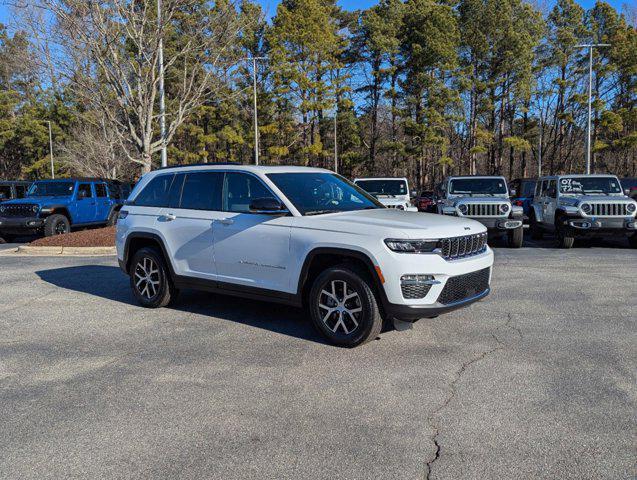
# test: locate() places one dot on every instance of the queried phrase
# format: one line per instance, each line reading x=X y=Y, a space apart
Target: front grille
x=609 y=210
x=465 y=286
x=411 y=292
x=483 y=210
x=21 y=210
x=465 y=246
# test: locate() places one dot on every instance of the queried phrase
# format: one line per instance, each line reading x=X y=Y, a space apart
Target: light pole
x=335 y=138
x=539 y=149
x=590 y=47
x=254 y=105
x=162 y=100
x=51 y=149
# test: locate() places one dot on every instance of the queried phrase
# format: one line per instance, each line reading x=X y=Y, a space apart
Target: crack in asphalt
x=453 y=387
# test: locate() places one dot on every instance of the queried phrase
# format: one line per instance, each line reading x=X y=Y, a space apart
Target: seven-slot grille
x=483 y=210
x=465 y=286
x=465 y=246
x=609 y=210
x=20 y=210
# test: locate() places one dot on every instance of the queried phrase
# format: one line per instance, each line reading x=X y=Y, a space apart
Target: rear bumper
x=411 y=313
x=20 y=224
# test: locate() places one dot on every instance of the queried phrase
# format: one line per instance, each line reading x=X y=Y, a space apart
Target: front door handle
x=226 y=221
x=169 y=217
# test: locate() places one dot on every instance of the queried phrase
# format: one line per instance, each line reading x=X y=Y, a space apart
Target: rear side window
x=240 y=190
x=202 y=191
x=155 y=193
x=100 y=190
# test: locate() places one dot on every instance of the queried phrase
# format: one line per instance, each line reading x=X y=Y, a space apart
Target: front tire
x=150 y=279
x=564 y=239
x=343 y=307
x=56 y=224
x=516 y=237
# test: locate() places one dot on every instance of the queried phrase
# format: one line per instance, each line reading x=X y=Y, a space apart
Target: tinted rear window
x=155 y=193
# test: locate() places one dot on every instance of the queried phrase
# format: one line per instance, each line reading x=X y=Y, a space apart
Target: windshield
x=383 y=187
x=51 y=189
x=317 y=193
x=588 y=185
x=475 y=186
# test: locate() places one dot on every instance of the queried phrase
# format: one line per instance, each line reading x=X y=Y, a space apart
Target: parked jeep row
x=53 y=207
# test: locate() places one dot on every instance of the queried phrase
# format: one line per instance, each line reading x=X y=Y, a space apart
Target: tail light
x=518 y=203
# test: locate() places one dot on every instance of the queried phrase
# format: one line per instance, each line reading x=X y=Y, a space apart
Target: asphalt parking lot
x=536 y=381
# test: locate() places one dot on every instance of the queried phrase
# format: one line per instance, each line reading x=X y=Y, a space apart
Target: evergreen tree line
x=415 y=88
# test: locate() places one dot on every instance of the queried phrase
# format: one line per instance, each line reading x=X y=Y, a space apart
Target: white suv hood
x=387 y=222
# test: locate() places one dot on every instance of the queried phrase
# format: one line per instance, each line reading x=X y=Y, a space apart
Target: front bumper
x=16 y=225
x=411 y=313
x=591 y=226
x=396 y=266
x=498 y=223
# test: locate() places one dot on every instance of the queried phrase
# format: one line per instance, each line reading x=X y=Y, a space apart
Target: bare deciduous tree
x=107 y=53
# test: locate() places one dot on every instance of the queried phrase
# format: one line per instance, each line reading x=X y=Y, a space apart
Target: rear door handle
x=169 y=217
x=226 y=221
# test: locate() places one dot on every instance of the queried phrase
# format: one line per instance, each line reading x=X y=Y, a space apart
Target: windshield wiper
x=320 y=212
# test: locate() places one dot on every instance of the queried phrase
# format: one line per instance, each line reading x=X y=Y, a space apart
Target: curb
x=61 y=251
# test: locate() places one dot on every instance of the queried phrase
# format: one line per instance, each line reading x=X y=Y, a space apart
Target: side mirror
x=513 y=193
x=413 y=193
x=267 y=206
x=626 y=192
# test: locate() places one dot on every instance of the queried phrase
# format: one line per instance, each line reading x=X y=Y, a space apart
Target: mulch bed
x=97 y=237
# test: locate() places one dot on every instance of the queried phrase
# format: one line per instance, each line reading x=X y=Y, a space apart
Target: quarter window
x=240 y=189
x=155 y=194
x=202 y=191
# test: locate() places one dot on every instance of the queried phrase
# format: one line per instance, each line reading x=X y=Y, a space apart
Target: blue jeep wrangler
x=522 y=192
x=53 y=207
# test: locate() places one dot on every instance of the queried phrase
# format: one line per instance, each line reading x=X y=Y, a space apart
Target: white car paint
x=399 y=202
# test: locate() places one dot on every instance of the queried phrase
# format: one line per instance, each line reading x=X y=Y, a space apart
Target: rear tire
x=112 y=218
x=56 y=224
x=516 y=237
x=150 y=279
x=343 y=307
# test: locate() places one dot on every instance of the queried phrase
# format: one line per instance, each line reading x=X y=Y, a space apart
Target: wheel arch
x=59 y=210
x=320 y=258
x=138 y=240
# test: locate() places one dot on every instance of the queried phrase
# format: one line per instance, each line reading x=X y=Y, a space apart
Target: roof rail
x=210 y=164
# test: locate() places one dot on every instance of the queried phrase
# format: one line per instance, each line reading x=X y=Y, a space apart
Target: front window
x=51 y=189
x=322 y=192
x=589 y=185
x=386 y=188
x=478 y=186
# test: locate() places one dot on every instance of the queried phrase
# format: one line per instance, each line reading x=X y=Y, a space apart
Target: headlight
x=504 y=208
x=2 y=209
x=411 y=246
x=463 y=208
x=631 y=207
x=586 y=208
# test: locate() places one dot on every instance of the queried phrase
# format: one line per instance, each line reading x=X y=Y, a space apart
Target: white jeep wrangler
x=391 y=192
x=485 y=199
x=301 y=236
x=574 y=206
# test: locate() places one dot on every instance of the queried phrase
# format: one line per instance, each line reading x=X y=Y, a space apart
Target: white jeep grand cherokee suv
x=301 y=236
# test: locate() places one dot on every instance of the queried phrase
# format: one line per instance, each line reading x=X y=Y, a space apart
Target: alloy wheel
x=147 y=278
x=60 y=228
x=340 y=307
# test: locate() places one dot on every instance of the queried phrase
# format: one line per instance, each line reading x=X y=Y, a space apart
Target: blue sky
x=270 y=6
